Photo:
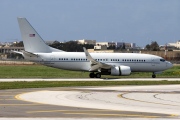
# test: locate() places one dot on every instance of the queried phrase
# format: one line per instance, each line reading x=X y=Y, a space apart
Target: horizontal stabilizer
x=29 y=54
x=17 y=52
x=26 y=53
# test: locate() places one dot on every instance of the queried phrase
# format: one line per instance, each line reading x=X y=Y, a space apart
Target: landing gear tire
x=98 y=75
x=153 y=76
x=91 y=75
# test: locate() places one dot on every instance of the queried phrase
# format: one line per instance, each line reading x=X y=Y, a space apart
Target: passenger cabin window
x=162 y=60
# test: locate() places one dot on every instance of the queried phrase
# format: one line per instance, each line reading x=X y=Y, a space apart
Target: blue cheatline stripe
x=98 y=61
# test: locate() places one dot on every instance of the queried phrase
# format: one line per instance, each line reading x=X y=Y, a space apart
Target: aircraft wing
x=95 y=65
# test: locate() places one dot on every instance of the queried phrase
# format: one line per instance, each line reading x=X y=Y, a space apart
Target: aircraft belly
x=80 y=66
x=139 y=67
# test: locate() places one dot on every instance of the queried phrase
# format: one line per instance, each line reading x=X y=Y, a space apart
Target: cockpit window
x=162 y=60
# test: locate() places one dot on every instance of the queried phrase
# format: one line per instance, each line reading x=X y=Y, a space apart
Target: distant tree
x=153 y=46
x=71 y=46
x=111 y=47
x=88 y=46
x=57 y=45
x=148 y=47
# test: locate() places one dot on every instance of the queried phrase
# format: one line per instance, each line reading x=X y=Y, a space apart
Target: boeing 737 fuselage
x=97 y=64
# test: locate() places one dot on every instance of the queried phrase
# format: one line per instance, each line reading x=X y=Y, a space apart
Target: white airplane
x=117 y=64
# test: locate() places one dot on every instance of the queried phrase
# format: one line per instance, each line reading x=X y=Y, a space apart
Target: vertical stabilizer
x=32 y=41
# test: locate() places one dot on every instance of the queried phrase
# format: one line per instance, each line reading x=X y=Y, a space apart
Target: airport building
x=116 y=44
x=102 y=47
x=102 y=44
x=5 y=50
x=176 y=44
x=84 y=41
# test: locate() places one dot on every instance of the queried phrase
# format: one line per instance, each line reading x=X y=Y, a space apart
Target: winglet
x=95 y=65
x=88 y=56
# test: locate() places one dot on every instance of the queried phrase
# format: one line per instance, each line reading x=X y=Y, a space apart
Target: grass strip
x=44 y=84
x=39 y=71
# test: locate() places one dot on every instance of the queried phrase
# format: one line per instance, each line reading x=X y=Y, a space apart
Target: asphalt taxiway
x=125 y=102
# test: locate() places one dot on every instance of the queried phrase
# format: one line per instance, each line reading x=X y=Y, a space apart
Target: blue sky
x=137 y=21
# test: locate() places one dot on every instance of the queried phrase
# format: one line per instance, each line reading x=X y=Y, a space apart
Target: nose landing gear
x=153 y=75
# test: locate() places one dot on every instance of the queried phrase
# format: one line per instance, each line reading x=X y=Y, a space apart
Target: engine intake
x=120 y=70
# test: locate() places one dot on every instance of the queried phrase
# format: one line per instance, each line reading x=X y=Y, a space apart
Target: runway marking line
x=121 y=96
x=155 y=96
x=129 y=115
x=18 y=97
x=9 y=92
x=102 y=114
x=87 y=112
x=7 y=99
x=65 y=111
x=120 y=115
x=17 y=104
x=6 y=95
x=37 y=103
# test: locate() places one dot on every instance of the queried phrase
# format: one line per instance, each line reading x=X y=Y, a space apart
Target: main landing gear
x=153 y=75
x=97 y=75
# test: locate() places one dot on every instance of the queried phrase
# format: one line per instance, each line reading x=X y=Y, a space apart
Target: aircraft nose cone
x=169 y=65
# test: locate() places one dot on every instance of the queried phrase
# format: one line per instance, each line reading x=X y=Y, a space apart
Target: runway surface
x=120 y=102
x=90 y=79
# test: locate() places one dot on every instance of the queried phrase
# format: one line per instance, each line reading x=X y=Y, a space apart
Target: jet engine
x=120 y=70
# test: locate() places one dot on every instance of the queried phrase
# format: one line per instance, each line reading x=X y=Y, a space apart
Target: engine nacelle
x=120 y=70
